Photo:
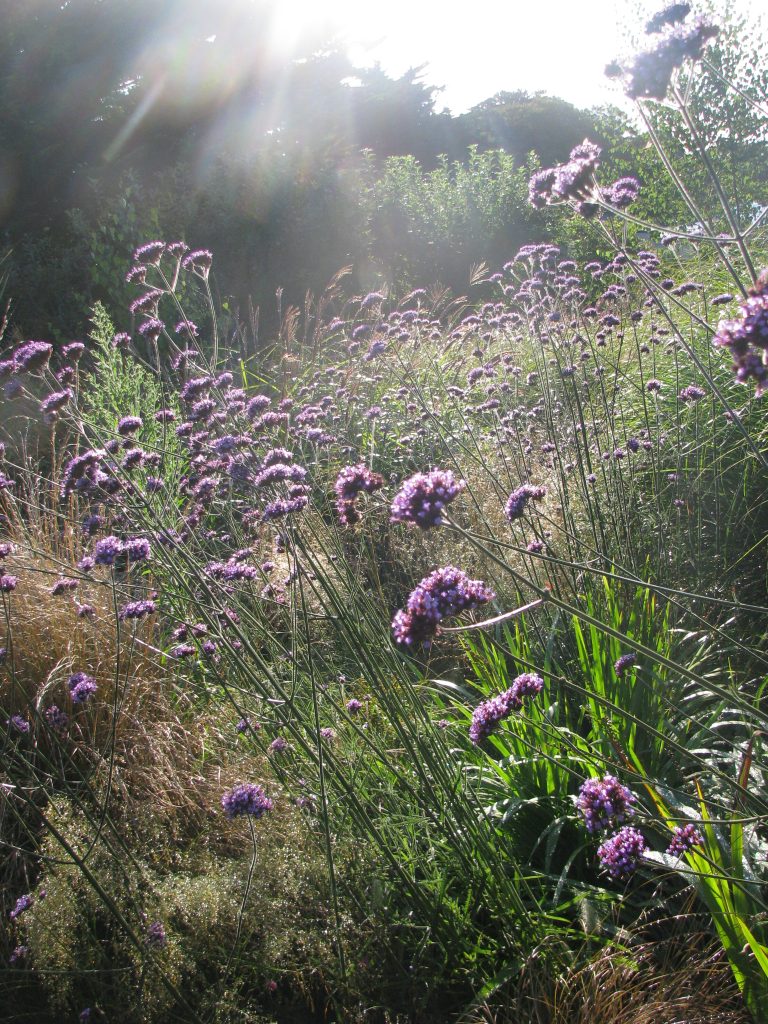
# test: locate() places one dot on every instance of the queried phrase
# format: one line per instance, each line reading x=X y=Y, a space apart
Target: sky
x=476 y=49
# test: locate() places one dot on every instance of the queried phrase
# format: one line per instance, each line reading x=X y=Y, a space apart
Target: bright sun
x=476 y=51
x=353 y=22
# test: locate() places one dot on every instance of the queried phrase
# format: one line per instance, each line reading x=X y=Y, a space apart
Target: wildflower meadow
x=411 y=666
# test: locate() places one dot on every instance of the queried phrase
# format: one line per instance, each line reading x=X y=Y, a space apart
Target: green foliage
x=439 y=224
x=125 y=388
x=520 y=123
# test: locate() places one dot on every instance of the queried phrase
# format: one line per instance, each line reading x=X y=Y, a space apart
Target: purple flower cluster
x=445 y=592
x=52 y=403
x=605 y=803
x=32 y=356
x=22 y=903
x=57 y=719
x=574 y=180
x=81 y=687
x=129 y=425
x=64 y=585
x=284 y=507
x=487 y=715
x=156 y=937
x=352 y=481
x=520 y=497
x=137 y=610
x=650 y=74
x=73 y=351
x=622 y=192
x=149 y=252
x=81 y=471
x=746 y=337
x=137 y=549
x=107 y=550
x=691 y=393
x=625 y=662
x=621 y=854
x=423 y=497
x=684 y=838
x=246 y=798
x=199 y=261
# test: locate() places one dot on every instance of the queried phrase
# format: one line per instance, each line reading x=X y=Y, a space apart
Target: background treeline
x=127 y=119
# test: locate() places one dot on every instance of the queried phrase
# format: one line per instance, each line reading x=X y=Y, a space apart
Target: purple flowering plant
x=574 y=375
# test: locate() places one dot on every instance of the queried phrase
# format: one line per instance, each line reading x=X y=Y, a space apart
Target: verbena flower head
x=423 y=498
x=257 y=405
x=8 y=584
x=625 y=662
x=622 y=192
x=540 y=188
x=283 y=507
x=445 y=592
x=279 y=471
x=149 y=252
x=352 y=481
x=81 y=687
x=649 y=75
x=199 y=261
x=152 y=328
x=487 y=715
x=129 y=425
x=64 y=585
x=520 y=497
x=138 y=549
x=195 y=389
x=746 y=337
x=56 y=401
x=621 y=854
x=107 y=550
x=691 y=393
x=137 y=274
x=146 y=303
x=605 y=803
x=684 y=838
x=31 y=356
x=156 y=937
x=246 y=798
x=22 y=903
x=573 y=180
x=17 y=723
x=132 y=459
x=137 y=610
x=56 y=718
